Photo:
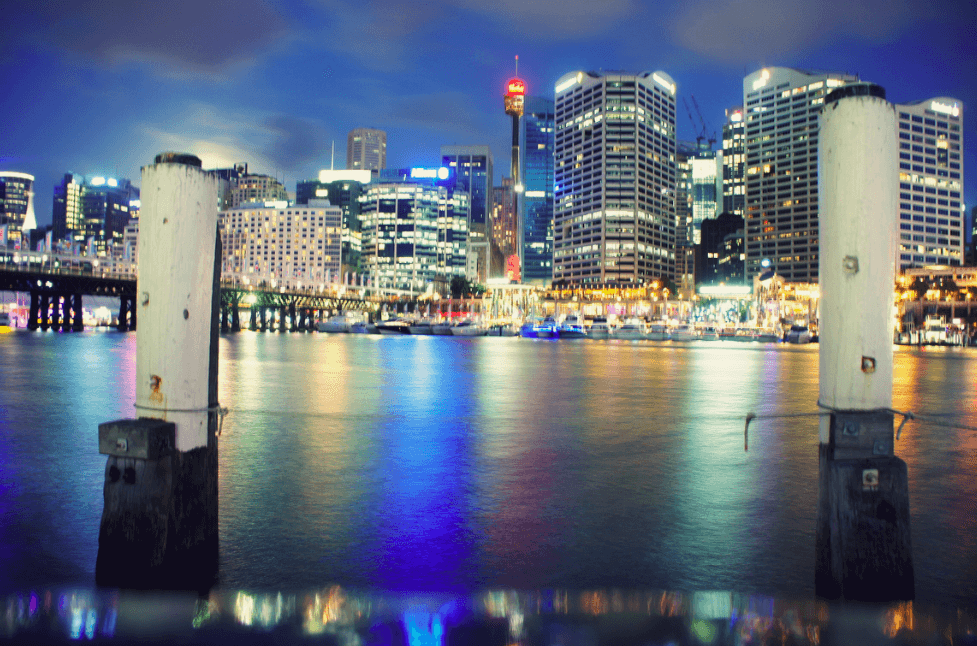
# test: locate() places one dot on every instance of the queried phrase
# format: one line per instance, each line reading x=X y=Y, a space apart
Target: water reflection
x=453 y=465
x=499 y=616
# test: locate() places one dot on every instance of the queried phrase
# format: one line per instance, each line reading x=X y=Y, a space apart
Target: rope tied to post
x=221 y=412
x=828 y=410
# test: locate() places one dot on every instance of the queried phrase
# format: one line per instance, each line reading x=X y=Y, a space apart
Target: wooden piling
x=863 y=539
x=159 y=524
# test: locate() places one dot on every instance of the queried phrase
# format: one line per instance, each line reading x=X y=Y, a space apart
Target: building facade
x=471 y=167
x=615 y=178
x=721 y=250
x=366 y=149
x=227 y=179
x=734 y=163
x=343 y=188
x=282 y=245
x=782 y=108
x=415 y=229
x=16 y=206
x=537 y=141
x=932 y=213
x=503 y=229
x=92 y=213
x=257 y=188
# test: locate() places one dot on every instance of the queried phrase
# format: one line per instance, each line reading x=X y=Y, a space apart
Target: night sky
x=99 y=88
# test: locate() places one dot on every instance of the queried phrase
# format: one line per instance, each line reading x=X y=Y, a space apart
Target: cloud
x=269 y=143
x=203 y=37
x=387 y=35
x=739 y=31
x=553 y=19
x=295 y=142
x=439 y=111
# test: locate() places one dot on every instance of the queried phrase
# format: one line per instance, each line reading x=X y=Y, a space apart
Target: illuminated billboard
x=515 y=96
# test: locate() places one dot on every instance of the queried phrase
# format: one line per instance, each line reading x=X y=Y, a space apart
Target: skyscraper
x=95 y=209
x=471 y=167
x=931 y=207
x=504 y=217
x=366 y=149
x=414 y=228
x=16 y=205
x=537 y=139
x=782 y=108
x=614 y=177
x=734 y=162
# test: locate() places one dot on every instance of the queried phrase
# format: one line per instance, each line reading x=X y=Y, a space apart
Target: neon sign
x=947 y=109
x=429 y=173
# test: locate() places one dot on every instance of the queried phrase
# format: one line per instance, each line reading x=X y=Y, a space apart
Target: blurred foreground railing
x=339 y=616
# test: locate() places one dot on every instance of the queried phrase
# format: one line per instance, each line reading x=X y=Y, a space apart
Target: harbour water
x=442 y=463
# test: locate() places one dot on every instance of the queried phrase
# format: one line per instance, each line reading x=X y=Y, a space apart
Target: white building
x=293 y=246
x=782 y=108
x=614 y=211
x=931 y=207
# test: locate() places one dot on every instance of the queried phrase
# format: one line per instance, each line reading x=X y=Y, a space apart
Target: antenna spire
x=517 y=65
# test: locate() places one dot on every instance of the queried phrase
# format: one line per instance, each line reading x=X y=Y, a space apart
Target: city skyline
x=102 y=94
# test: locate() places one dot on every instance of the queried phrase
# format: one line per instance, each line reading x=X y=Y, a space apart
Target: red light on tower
x=515 y=95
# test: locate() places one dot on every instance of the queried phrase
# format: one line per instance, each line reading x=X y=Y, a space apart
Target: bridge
x=56 y=284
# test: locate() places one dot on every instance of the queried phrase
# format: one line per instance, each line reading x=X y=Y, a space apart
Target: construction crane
x=711 y=139
x=695 y=125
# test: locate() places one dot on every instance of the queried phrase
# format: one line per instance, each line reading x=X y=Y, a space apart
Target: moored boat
x=798 y=334
x=339 y=323
x=572 y=328
x=657 y=332
x=633 y=329
x=424 y=326
x=683 y=333
x=707 y=333
x=442 y=329
x=547 y=329
x=468 y=328
x=393 y=326
x=600 y=328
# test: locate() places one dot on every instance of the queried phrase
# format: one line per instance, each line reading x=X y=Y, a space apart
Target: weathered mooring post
x=863 y=542
x=159 y=524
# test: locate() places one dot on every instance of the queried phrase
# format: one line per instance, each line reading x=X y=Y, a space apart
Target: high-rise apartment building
x=782 y=110
x=16 y=204
x=257 y=188
x=343 y=188
x=537 y=141
x=366 y=149
x=414 y=227
x=273 y=242
x=614 y=176
x=932 y=212
x=503 y=228
x=734 y=162
x=93 y=211
x=471 y=168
